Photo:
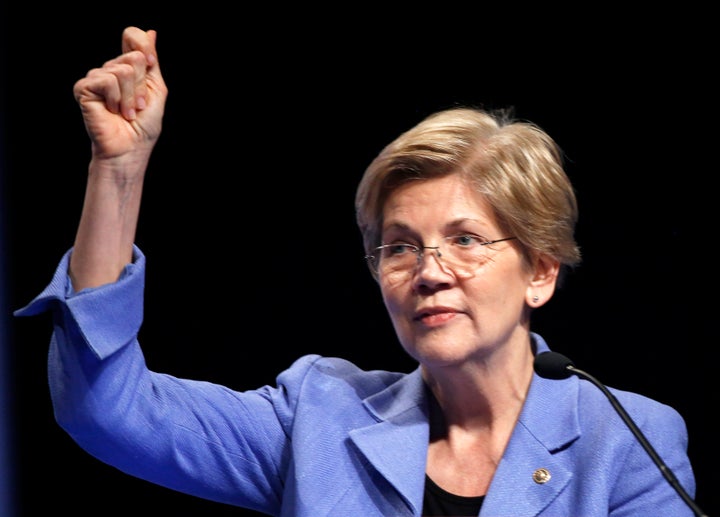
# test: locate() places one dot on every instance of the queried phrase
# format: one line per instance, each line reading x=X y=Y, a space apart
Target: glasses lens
x=465 y=252
x=392 y=258
x=462 y=253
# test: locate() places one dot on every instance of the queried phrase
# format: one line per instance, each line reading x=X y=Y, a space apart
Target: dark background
x=271 y=120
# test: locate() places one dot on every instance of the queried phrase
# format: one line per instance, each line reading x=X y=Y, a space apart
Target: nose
x=429 y=272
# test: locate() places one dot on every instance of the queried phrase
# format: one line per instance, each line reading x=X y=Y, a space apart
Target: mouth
x=435 y=315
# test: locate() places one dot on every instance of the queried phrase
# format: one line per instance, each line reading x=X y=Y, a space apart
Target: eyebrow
x=455 y=223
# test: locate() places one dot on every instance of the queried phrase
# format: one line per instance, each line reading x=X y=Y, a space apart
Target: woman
x=468 y=222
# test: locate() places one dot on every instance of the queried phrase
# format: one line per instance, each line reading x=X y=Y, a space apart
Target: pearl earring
x=535 y=298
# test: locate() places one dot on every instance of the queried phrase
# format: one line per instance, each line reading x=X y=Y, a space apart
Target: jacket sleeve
x=195 y=437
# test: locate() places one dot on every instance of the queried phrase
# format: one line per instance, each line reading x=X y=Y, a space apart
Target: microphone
x=553 y=365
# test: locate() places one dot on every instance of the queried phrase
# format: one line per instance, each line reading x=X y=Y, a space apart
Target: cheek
x=506 y=295
x=494 y=290
x=393 y=299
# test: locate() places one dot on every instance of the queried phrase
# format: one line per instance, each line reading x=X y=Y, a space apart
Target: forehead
x=437 y=201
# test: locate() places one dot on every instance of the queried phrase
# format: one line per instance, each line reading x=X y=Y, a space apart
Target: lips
x=435 y=314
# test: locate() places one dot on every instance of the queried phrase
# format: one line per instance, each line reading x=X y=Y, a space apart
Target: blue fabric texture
x=330 y=439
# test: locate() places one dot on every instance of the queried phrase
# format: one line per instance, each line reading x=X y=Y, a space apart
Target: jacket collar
x=396 y=445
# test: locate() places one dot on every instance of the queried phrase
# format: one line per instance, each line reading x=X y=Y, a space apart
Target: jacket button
x=541 y=476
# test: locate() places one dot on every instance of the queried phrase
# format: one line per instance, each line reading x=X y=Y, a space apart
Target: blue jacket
x=330 y=439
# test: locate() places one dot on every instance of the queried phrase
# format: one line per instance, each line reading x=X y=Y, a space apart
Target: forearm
x=108 y=222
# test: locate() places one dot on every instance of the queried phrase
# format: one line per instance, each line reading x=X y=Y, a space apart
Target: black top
x=439 y=502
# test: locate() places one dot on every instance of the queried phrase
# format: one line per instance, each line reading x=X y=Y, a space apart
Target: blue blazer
x=329 y=439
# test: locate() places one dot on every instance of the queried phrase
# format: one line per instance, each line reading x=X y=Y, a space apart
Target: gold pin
x=541 y=476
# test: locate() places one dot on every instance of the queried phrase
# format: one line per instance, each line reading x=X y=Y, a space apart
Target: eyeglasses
x=462 y=253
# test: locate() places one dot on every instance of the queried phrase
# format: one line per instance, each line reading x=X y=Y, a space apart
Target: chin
x=438 y=352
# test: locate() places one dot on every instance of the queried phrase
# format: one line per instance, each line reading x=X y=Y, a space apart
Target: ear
x=544 y=278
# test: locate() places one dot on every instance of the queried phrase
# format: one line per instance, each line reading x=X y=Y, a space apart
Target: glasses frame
x=419 y=251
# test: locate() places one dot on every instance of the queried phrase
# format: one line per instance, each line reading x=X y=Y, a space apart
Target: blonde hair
x=515 y=165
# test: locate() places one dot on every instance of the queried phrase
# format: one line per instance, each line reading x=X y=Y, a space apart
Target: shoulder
x=578 y=400
x=642 y=408
x=559 y=411
x=658 y=420
x=610 y=418
x=332 y=374
x=331 y=390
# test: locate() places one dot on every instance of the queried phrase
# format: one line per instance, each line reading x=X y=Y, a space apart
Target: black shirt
x=439 y=502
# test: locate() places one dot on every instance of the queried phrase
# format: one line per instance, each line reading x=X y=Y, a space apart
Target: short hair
x=514 y=164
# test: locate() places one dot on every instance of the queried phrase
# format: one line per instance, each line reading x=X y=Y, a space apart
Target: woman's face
x=444 y=313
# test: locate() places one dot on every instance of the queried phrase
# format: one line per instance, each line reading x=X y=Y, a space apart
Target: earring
x=535 y=298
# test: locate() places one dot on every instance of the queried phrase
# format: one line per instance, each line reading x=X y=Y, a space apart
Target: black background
x=271 y=120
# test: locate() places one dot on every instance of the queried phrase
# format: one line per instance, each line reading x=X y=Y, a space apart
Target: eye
x=398 y=249
x=466 y=240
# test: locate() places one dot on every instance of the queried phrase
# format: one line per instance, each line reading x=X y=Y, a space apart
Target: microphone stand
x=664 y=469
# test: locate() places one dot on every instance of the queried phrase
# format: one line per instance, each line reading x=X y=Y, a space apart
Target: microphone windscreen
x=552 y=365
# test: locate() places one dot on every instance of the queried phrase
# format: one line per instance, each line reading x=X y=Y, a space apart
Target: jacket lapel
x=397 y=444
x=530 y=476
